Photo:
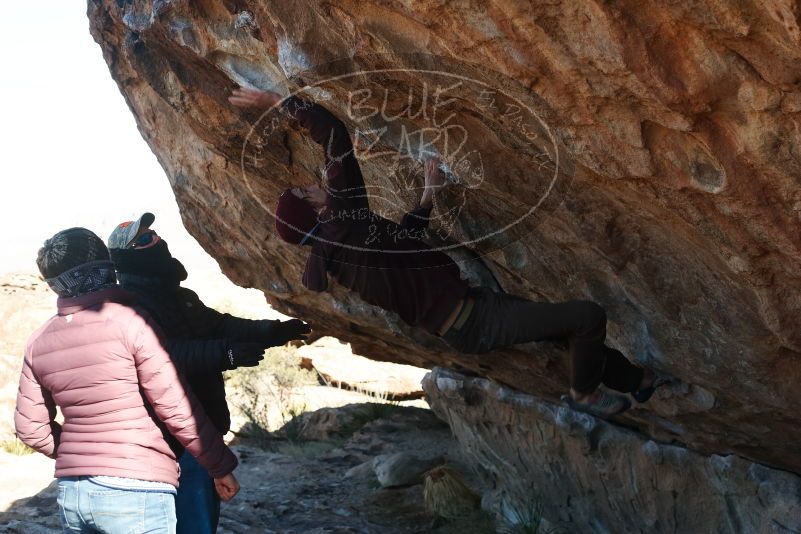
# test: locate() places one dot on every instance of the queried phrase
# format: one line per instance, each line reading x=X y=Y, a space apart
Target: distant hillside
x=25 y=303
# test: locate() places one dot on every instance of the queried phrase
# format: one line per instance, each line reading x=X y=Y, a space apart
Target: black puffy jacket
x=197 y=338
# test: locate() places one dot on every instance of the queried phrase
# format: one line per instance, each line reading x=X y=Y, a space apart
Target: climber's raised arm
x=434 y=181
x=254 y=98
x=419 y=217
x=344 y=184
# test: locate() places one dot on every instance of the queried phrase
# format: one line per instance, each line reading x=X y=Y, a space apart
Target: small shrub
x=446 y=495
x=268 y=389
x=380 y=410
x=291 y=426
x=528 y=520
x=307 y=449
x=16 y=447
x=380 y=405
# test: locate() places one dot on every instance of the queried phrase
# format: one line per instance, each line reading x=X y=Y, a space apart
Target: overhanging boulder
x=659 y=144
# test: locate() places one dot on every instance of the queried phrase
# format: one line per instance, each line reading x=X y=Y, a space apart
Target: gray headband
x=84 y=278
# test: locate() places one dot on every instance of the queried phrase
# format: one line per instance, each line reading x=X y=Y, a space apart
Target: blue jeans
x=85 y=506
x=197 y=503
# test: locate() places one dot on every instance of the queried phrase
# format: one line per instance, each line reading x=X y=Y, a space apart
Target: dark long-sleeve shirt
x=387 y=264
x=197 y=338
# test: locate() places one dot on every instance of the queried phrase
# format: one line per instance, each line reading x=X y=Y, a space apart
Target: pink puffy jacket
x=100 y=360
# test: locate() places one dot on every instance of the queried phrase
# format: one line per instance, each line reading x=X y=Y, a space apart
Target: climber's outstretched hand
x=435 y=178
x=246 y=98
x=434 y=181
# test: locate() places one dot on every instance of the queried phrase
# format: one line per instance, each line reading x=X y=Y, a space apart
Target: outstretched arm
x=272 y=333
x=435 y=180
x=344 y=183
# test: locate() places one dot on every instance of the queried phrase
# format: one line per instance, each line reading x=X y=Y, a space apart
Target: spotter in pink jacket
x=101 y=361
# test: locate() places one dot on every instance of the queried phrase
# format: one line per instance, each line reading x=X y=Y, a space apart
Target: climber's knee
x=591 y=317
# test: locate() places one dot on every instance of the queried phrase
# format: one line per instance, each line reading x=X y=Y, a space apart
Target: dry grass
x=446 y=495
x=272 y=395
x=10 y=366
x=265 y=394
x=527 y=519
x=16 y=447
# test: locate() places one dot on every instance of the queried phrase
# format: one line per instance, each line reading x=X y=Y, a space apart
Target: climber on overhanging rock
x=389 y=266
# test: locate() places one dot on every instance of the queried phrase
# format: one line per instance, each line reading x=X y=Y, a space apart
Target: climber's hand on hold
x=434 y=181
x=246 y=98
x=435 y=178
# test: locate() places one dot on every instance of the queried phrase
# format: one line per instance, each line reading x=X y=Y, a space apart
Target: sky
x=71 y=152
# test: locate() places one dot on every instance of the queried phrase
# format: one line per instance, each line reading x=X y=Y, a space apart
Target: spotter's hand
x=227 y=487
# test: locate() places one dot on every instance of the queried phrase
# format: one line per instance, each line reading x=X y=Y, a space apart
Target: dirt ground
x=288 y=487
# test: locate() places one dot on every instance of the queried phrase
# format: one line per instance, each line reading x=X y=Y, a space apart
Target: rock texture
x=586 y=475
x=652 y=165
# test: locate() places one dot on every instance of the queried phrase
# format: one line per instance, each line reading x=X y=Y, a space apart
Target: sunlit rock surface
x=641 y=154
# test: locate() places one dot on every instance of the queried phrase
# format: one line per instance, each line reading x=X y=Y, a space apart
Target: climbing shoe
x=644 y=394
x=600 y=404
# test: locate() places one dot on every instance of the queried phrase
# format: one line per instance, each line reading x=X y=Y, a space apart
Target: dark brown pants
x=500 y=320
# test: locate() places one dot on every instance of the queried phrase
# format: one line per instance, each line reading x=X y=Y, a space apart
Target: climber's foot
x=598 y=403
x=650 y=381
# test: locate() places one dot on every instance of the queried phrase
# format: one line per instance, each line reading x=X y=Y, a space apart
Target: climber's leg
x=588 y=354
x=500 y=320
x=621 y=374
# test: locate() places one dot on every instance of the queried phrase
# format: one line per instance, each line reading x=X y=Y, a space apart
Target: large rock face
x=587 y=475
x=641 y=154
